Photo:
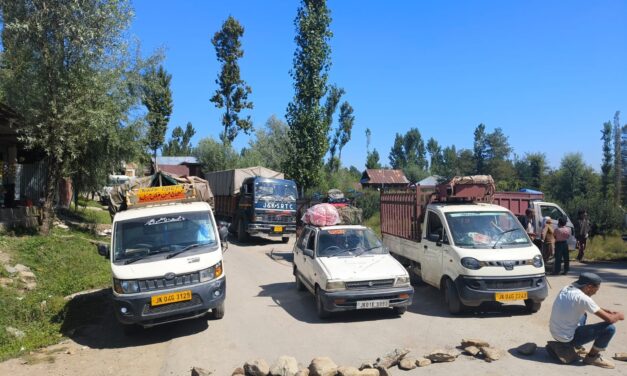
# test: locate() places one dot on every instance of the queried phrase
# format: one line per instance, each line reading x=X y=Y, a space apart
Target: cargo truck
x=165 y=252
x=255 y=201
x=519 y=202
x=452 y=237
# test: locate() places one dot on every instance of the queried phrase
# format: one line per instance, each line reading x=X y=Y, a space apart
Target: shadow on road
x=256 y=240
x=541 y=356
x=301 y=306
x=89 y=320
x=287 y=256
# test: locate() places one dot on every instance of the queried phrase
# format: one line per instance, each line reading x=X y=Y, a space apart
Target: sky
x=548 y=73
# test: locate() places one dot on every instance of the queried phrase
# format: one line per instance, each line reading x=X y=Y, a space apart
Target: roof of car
x=324 y=228
x=162 y=209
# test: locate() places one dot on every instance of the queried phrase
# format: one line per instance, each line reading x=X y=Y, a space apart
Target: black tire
x=297 y=282
x=242 y=235
x=532 y=306
x=132 y=329
x=414 y=278
x=451 y=297
x=322 y=312
x=285 y=239
x=218 y=312
x=400 y=310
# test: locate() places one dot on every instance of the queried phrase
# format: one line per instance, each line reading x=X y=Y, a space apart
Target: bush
x=369 y=203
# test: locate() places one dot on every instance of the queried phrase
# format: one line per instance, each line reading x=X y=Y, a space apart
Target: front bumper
x=474 y=291
x=346 y=300
x=269 y=229
x=205 y=296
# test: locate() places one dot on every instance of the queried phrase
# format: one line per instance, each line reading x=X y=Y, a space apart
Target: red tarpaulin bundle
x=321 y=215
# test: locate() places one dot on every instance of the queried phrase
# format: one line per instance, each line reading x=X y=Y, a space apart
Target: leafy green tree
x=532 y=170
x=347 y=119
x=415 y=151
x=271 y=147
x=368 y=134
x=232 y=93
x=398 y=159
x=435 y=152
x=480 y=149
x=618 y=160
x=65 y=66
x=372 y=160
x=157 y=97
x=449 y=162
x=607 y=165
x=333 y=99
x=215 y=156
x=180 y=142
x=305 y=116
x=466 y=163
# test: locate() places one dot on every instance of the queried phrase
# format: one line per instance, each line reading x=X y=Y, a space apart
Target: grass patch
x=374 y=222
x=612 y=247
x=87 y=215
x=64 y=263
x=84 y=202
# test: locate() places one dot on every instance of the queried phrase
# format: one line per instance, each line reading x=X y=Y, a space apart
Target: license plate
x=369 y=304
x=509 y=296
x=174 y=297
x=278 y=228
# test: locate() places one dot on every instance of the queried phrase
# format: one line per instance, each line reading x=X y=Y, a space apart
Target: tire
x=297 y=282
x=532 y=306
x=451 y=297
x=242 y=235
x=285 y=239
x=218 y=312
x=400 y=310
x=322 y=312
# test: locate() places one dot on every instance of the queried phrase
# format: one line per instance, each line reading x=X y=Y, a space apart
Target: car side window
x=434 y=227
x=302 y=242
x=311 y=243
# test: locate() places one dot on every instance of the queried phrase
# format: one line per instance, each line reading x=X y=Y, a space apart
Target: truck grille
x=279 y=218
x=149 y=310
x=505 y=284
x=377 y=284
x=155 y=284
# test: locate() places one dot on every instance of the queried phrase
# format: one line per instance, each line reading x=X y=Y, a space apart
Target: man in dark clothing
x=581 y=232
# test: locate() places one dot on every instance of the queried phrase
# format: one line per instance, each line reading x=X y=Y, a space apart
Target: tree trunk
x=52 y=182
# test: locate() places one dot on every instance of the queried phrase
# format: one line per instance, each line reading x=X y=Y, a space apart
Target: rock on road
x=266 y=318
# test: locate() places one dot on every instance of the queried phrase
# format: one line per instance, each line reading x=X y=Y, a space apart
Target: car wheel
x=532 y=306
x=218 y=312
x=400 y=310
x=299 y=284
x=242 y=235
x=322 y=312
x=451 y=296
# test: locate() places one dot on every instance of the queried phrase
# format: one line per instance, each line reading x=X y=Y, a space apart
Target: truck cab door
x=433 y=249
x=555 y=212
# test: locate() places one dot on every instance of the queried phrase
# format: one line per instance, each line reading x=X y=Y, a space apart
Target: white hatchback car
x=346 y=267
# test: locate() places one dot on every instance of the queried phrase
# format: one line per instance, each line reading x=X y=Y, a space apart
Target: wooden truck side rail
x=226 y=206
x=516 y=202
x=402 y=211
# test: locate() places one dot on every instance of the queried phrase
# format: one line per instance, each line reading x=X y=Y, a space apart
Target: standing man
x=582 y=231
x=569 y=314
x=561 y=234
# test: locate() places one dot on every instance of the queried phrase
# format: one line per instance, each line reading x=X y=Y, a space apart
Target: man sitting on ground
x=569 y=314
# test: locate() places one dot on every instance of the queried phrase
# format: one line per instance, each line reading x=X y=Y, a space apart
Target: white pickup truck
x=166 y=262
x=347 y=268
x=475 y=252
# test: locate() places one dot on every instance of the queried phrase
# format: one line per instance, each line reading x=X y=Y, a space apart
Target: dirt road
x=266 y=317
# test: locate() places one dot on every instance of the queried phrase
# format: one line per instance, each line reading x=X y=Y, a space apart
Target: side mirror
x=308 y=252
x=103 y=250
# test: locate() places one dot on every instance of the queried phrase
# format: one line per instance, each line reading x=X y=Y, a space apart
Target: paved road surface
x=266 y=317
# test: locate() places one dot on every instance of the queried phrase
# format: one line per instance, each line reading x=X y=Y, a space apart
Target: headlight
x=258 y=218
x=471 y=263
x=537 y=261
x=337 y=285
x=125 y=287
x=211 y=273
x=402 y=281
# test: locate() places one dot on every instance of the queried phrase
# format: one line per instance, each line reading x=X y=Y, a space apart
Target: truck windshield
x=486 y=230
x=275 y=191
x=142 y=238
x=348 y=242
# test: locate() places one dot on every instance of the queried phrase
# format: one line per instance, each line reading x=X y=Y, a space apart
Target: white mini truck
x=452 y=238
x=347 y=268
x=166 y=264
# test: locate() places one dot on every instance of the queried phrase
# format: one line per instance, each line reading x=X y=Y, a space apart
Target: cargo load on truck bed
x=160 y=187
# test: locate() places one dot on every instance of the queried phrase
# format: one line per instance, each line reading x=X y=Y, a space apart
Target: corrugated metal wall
x=30 y=181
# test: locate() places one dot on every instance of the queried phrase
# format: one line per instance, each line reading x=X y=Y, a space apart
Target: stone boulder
x=15 y=332
x=284 y=366
x=303 y=372
x=442 y=356
x=490 y=353
x=563 y=352
x=407 y=364
x=474 y=342
x=256 y=367
x=472 y=350
x=369 y=372
x=423 y=362
x=392 y=358
x=239 y=371
x=322 y=366
x=348 y=371
x=197 y=371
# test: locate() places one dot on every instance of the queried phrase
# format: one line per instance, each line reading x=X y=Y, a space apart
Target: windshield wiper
x=501 y=236
x=187 y=248
x=130 y=261
x=366 y=250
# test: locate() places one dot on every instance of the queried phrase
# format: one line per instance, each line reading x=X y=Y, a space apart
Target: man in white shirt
x=569 y=314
